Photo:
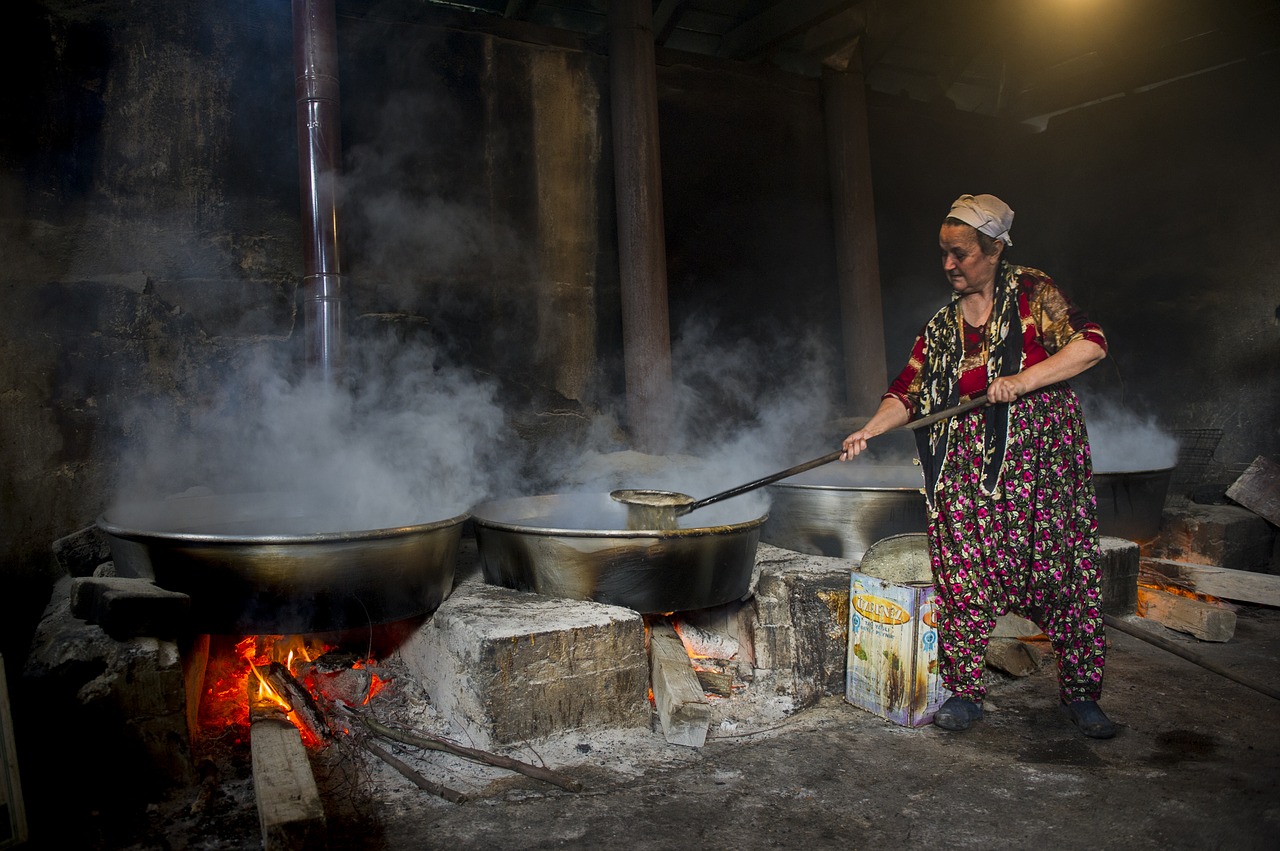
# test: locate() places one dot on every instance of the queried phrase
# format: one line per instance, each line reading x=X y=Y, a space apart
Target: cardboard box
x=892 y=667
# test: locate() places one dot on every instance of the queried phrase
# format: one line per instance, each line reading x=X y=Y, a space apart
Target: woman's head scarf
x=987 y=213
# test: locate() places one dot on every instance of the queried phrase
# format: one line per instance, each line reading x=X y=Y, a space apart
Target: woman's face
x=967 y=268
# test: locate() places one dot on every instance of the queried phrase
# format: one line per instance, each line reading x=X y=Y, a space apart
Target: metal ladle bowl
x=652 y=509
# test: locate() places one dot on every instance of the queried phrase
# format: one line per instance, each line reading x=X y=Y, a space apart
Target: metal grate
x=1196 y=448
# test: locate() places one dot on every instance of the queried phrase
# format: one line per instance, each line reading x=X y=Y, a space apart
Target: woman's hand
x=1007 y=388
x=855 y=444
x=1073 y=359
x=889 y=416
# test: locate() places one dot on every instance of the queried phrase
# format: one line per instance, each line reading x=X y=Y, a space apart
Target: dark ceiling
x=1024 y=60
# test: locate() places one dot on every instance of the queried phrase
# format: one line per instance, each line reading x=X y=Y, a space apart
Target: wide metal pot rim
x=314 y=537
x=524 y=528
x=802 y=486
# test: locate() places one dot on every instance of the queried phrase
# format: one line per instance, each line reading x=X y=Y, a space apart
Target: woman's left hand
x=1007 y=388
x=1073 y=359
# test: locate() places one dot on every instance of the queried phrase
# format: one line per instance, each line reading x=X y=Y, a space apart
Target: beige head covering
x=987 y=213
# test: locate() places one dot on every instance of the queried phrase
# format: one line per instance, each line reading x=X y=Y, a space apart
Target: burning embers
x=715 y=654
x=300 y=678
x=694 y=659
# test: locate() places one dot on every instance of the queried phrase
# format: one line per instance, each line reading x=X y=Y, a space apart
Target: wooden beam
x=886 y=28
x=1241 y=585
x=1177 y=649
x=682 y=705
x=1258 y=489
x=835 y=42
x=290 y=812
x=519 y=9
x=665 y=18
x=1201 y=618
x=1135 y=68
x=776 y=24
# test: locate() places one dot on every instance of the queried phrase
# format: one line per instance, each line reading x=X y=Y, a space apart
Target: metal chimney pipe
x=315 y=51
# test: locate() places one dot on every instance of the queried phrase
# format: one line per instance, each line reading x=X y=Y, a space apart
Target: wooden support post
x=642 y=249
x=844 y=102
x=683 y=708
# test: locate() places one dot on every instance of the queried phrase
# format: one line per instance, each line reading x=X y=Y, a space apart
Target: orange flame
x=225 y=702
x=1179 y=591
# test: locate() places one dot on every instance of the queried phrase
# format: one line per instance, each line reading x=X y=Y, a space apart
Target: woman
x=1008 y=486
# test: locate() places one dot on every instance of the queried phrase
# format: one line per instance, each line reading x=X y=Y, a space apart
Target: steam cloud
x=407 y=443
x=1124 y=441
x=744 y=409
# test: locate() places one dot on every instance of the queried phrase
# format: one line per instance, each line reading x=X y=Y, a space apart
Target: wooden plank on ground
x=1258 y=489
x=290 y=811
x=682 y=706
x=1243 y=586
x=1206 y=620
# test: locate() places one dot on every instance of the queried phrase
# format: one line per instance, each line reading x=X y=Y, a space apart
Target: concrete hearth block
x=802 y=622
x=1222 y=535
x=130 y=608
x=129 y=698
x=507 y=667
x=80 y=553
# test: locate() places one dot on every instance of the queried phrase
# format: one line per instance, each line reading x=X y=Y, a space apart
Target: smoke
x=750 y=402
x=414 y=212
x=407 y=440
x=1124 y=441
x=745 y=408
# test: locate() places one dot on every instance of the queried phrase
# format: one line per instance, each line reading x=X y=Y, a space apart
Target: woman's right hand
x=855 y=444
x=890 y=415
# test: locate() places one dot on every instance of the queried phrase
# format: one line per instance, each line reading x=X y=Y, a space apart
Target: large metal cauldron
x=259 y=563
x=842 y=509
x=1131 y=504
x=577 y=546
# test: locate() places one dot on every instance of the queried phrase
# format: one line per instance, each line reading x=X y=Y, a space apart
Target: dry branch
x=414 y=777
x=438 y=743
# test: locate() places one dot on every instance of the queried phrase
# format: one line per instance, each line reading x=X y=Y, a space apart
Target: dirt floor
x=1196 y=764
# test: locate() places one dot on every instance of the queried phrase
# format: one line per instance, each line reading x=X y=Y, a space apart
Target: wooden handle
x=677 y=511
x=975 y=402
x=740 y=489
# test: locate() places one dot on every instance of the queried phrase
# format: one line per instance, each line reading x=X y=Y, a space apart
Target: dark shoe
x=957 y=713
x=1090 y=718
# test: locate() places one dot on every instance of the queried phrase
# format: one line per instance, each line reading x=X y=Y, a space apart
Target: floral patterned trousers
x=1030 y=549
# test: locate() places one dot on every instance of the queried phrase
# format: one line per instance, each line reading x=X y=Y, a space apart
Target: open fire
x=293 y=676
